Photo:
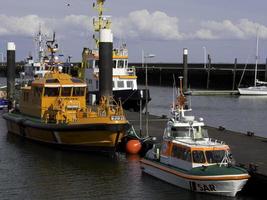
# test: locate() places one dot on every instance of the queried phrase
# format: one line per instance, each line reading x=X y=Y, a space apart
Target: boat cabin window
x=180 y=132
x=215 y=156
x=76 y=80
x=126 y=63
x=52 y=81
x=200 y=133
x=114 y=63
x=129 y=84
x=181 y=153
x=96 y=63
x=66 y=91
x=78 y=91
x=120 y=84
x=198 y=157
x=97 y=84
x=51 y=92
x=91 y=63
x=120 y=64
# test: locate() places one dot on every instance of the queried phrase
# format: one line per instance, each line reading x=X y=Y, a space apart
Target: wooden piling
x=234 y=74
x=185 y=75
x=208 y=71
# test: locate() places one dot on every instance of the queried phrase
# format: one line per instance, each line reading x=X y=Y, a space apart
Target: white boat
x=124 y=77
x=189 y=159
x=45 y=63
x=253 y=90
x=259 y=87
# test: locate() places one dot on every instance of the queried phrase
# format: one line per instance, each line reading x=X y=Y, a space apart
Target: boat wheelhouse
x=53 y=110
x=124 y=77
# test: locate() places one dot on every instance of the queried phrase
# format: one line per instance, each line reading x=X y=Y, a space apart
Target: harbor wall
x=222 y=76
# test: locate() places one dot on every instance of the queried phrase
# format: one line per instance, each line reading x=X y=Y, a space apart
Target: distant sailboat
x=260 y=87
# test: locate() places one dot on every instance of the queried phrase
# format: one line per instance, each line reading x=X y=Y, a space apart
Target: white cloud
x=28 y=25
x=138 y=24
x=205 y=34
x=142 y=24
x=227 y=29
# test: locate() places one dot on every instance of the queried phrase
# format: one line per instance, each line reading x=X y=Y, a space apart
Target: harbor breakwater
x=217 y=76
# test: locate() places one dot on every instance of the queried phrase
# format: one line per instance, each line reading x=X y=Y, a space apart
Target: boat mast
x=101 y=22
x=257 y=55
x=39 y=42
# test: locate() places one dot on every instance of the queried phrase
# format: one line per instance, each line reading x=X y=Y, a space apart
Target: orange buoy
x=133 y=146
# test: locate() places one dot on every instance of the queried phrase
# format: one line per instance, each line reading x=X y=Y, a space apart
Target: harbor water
x=33 y=171
x=234 y=112
x=30 y=170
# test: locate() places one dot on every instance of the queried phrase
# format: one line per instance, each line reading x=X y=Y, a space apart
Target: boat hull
x=130 y=98
x=225 y=186
x=260 y=90
x=88 y=137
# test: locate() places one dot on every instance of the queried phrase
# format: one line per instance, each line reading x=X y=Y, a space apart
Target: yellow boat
x=53 y=110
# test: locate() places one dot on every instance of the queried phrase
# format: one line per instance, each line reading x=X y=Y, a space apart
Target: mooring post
x=105 y=62
x=208 y=71
x=11 y=72
x=234 y=74
x=160 y=78
x=265 y=78
x=185 y=60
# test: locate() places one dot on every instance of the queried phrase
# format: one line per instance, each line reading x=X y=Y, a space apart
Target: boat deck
x=248 y=151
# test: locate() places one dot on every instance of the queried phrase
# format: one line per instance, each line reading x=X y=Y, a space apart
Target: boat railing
x=216 y=141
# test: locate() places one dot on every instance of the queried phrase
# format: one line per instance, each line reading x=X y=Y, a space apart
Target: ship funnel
x=105 y=62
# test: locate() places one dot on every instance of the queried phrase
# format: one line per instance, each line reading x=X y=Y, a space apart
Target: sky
x=224 y=29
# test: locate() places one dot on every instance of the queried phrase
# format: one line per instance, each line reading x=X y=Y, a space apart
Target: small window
x=120 y=84
x=51 y=92
x=91 y=63
x=181 y=153
x=96 y=63
x=120 y=64
x=52 y=81
x=97 y=84
x=129 y=84
x=66 y=91
x=76 y=80
x=198 y=157
x=114 y=63
x=78 y=91
x=113 y=84
x=179 y=132
x=215 y=156
x=126 y=63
